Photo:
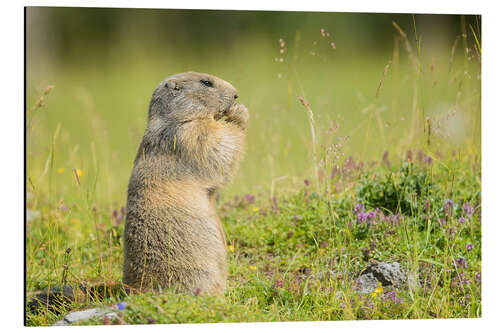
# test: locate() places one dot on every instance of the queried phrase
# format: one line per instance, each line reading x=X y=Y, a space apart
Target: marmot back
x=191 y=147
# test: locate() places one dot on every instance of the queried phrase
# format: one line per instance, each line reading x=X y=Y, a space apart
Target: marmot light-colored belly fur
x=191 y=147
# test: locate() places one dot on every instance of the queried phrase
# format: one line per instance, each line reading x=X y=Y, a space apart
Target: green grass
x=93 y=118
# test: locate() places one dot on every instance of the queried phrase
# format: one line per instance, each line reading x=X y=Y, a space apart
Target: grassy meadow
x=380 y=162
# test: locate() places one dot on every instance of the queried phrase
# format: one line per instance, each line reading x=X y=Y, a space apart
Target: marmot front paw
x=238 y=114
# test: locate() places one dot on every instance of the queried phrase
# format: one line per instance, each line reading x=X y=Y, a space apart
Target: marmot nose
x=235 y=96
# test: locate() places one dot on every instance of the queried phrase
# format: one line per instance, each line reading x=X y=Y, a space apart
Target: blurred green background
x=105 y=63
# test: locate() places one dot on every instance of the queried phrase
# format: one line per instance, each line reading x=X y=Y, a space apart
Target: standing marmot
x=192 y=145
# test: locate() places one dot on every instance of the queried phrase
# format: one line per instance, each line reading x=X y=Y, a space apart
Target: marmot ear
x=172 y=84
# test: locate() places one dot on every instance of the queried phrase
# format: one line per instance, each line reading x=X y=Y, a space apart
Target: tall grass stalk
x=313 y=139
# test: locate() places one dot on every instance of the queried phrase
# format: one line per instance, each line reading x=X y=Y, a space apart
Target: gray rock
x=83 y=315
x=75 y=317
x=367 y=283
x=51 y=297
x=62 y=323
x=388 y=274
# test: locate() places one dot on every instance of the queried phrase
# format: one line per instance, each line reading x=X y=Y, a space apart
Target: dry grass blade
x=386 y=68
x=453 y=48
x=313 y=136
x=407 y=43
x=76 y=176
x=40 y=102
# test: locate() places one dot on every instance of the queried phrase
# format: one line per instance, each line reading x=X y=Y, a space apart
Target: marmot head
x=190 y=95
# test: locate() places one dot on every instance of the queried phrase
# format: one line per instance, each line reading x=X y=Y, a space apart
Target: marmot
x=191 y=147
x=173 y=236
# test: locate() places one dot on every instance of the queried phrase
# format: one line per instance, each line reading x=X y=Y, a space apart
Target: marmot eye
x=207 y=83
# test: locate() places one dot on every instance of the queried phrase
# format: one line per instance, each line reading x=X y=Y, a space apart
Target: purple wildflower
x=118 y=217
x=464 y=300
x=394 y=298
x=478 y=277
x=468 y=209
x=448 y=207
x=335 y=170
x=250 y=199
x=461 y=220
x=371 y=216
x=469 y=247
x=395 y=219
x=307 y=182
x=358 y=208
x=122 y=305
x=348 y=166
x=442 y=222
x=463 y=279
x=409 y=155
x=361 y=217
x=462 y=262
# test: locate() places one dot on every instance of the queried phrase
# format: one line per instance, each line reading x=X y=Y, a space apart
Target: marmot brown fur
x=191 y=147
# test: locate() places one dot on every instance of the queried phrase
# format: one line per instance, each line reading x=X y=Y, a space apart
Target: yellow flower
x=253 y=268
x=377 y=291
x=255 y=209
x=230 y=248
x=60 y=170
x=79 y=172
